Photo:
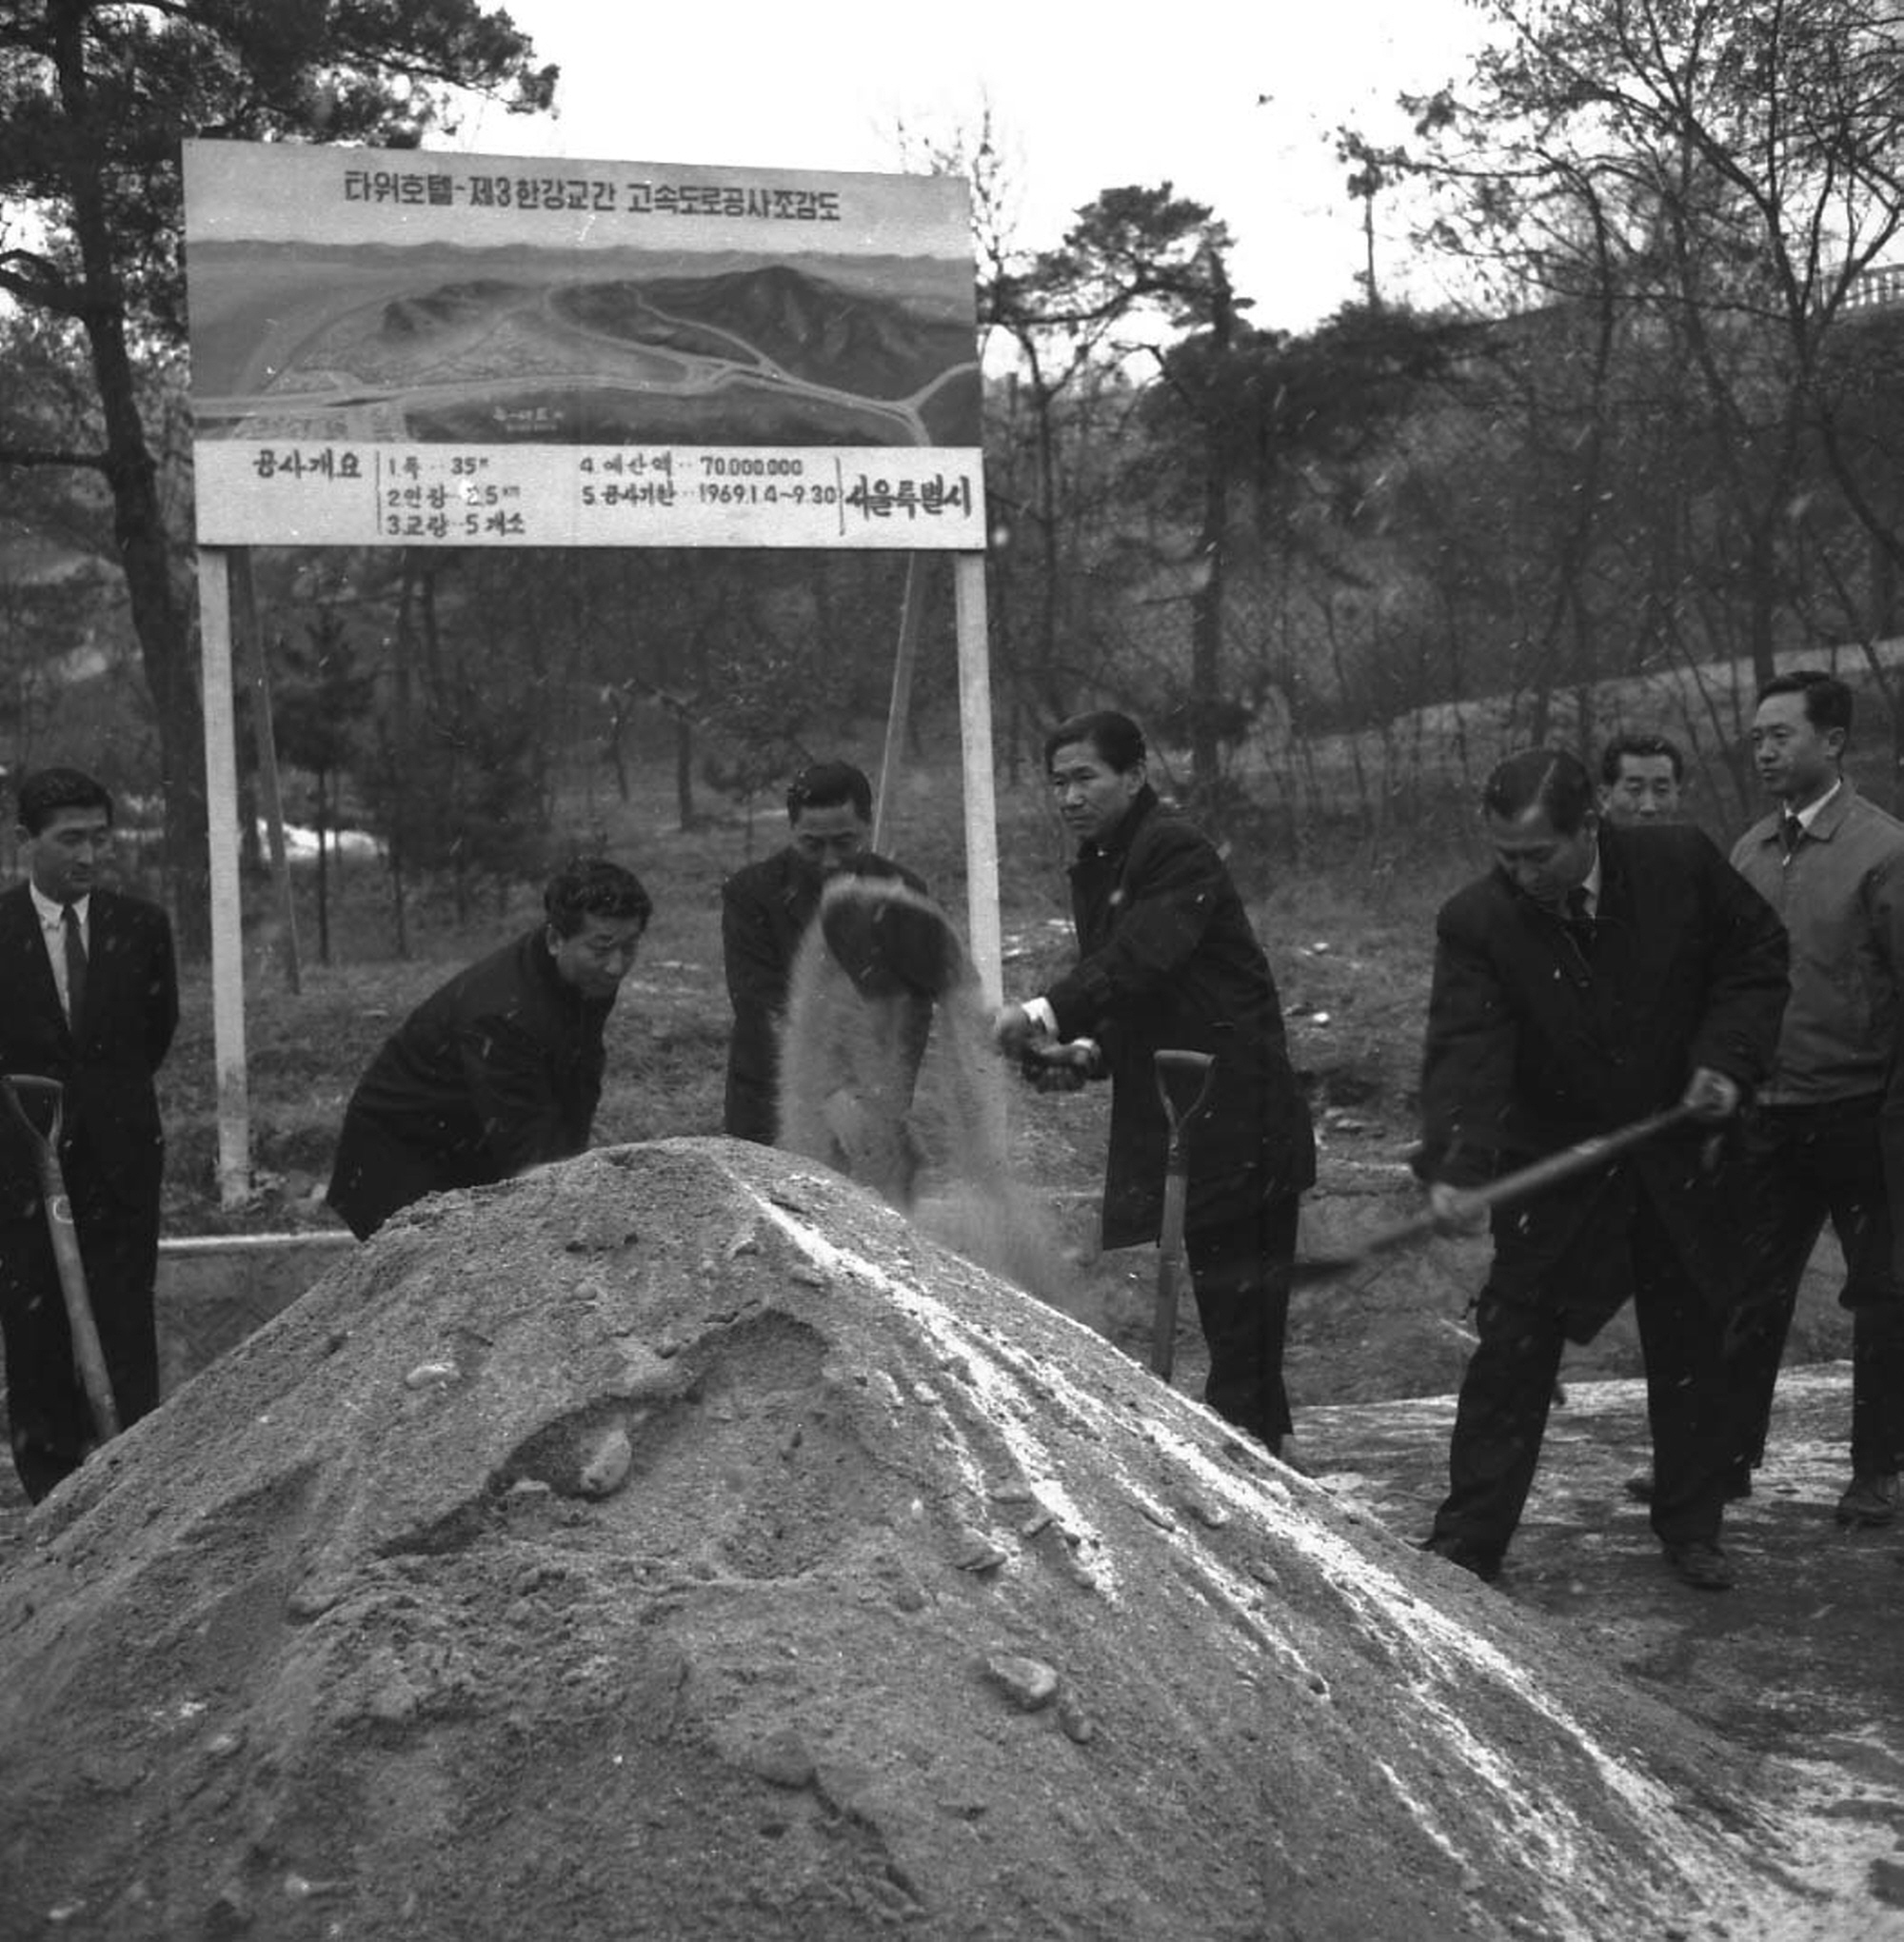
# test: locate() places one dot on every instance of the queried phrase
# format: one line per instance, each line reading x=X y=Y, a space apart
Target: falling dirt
x=680 y=1543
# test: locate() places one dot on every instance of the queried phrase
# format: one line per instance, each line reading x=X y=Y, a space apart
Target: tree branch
x=43 y=288
x=41 y=455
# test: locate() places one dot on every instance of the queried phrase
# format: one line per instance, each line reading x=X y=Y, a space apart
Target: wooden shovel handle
x=89 y=1358
x=1584 y=1157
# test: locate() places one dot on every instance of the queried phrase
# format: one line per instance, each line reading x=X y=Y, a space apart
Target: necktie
x=1580 y=919
x=75 y=967
x=1791 y=833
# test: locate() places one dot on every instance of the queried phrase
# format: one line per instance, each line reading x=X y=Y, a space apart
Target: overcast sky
x=1080 y=102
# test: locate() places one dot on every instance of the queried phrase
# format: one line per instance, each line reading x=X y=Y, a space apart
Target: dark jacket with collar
x=1532 y=1047
x=766 y=909
x=497 y=1071
x=112 y=1108
x=1167 y=959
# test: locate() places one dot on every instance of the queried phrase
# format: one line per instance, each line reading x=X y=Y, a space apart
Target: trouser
x=50 y=1420
x=1798 y=1166
x=1501 y=1414
x=1240 y=1273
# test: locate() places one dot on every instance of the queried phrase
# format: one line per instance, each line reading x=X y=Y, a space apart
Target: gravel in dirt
x=680 y=1543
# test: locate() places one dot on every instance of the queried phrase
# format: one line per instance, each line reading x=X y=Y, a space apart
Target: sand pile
x=678 y=1544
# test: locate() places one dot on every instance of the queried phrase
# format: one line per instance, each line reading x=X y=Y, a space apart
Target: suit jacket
x=1533 y=1047
x=765 y=911
x=1168 y=958
x=113 y=1137
x=496 y=1071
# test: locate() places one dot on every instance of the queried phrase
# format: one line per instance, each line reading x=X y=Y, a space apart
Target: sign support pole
x=227 y=940
x=911 y=620
x=264 y=736
x=982 y=814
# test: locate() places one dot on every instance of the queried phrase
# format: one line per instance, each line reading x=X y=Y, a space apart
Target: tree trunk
x=1207 y=603
x=322 y=870
x=161 y=617
x=164 y=632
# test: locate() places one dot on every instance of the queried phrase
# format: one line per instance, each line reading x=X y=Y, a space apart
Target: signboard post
x=412 y=349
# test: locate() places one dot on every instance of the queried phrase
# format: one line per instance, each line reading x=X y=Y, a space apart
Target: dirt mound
x=677 y=1543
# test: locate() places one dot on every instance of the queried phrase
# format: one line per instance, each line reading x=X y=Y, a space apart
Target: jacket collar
x=1124 y=831
x=1832 y=817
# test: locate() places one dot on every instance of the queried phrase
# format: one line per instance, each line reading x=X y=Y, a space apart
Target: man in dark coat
x=1168 y=960
x=89 y=996
x=501 y=1069
x=766 y=909
x=1594 y=976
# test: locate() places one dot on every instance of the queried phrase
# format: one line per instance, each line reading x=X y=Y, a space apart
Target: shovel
x=1564 y=1165
x=87 y=1355
x=1170 y=1264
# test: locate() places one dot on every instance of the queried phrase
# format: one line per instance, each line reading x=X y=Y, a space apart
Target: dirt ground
x=540 y=1575
x=679 y=1543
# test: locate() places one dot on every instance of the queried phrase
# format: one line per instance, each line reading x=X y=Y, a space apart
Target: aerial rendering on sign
x=792 y=359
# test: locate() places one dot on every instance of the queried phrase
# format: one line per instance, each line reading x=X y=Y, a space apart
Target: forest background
x=1651 y=457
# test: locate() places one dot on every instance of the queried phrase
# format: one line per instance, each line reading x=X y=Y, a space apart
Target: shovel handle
x=89 y=1358
x=1170 y=1263
x=1171 y=1064
x=13 y=1086
x=1584 y=1157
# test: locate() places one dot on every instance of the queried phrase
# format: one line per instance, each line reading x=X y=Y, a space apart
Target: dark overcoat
x=1167 y=959
x=112 y=1108
x=1534 y=1045
x=766 y=909
x=496 y=1071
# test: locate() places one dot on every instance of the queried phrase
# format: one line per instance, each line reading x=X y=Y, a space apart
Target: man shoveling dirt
x=860 y=1004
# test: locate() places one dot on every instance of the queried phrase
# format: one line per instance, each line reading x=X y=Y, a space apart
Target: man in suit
x=766 y=909
x=1596 y=975
x=1167 y=959
x=89 y=996
x=500 y=1069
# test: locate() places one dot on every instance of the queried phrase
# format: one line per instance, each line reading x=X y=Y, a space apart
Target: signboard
x=407 y=347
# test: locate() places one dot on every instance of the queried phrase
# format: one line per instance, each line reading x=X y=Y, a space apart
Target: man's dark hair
x=825 y=785
x=1644 y=747
x=1545 y=779
x=47 y=791
x=592 y=886
x=1828 y=703
x=1117 y=738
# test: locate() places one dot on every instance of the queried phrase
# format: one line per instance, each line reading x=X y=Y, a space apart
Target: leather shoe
x=1869 y=1500
x=1485 y=1565
x=1703 y=1566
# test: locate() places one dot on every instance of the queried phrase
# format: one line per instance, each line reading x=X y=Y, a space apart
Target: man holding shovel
x=89 y=999
x=1168 y=962
x=766 y=911
x=1594 y=977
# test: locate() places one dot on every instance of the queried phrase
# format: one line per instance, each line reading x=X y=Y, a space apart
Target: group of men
x=1610 y=966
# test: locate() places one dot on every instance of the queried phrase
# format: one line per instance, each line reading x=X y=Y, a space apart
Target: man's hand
x=1051 y=1067
x=1014 y=1029
x=1456 y=1210
x=1711 y=1095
